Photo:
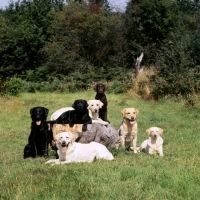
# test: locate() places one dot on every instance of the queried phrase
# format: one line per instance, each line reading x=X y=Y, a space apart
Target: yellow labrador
x=154 y=144
x=71 y=151
x=57 y=128
x=93 y=107
x=128 y=130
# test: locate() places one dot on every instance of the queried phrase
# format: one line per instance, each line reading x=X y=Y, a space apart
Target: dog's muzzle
x=64 y=146
x=132 y=120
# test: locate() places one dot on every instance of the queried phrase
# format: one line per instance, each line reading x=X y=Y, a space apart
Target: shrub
x=14 y=86
x=142 y=86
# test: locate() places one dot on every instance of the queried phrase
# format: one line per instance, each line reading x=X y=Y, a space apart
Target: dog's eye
x=97 y=104
x=128 y=113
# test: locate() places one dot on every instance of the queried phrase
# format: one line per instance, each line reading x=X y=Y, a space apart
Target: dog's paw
x=138 y=149
x=71 y=124
x=134 y=150
x=84 y=129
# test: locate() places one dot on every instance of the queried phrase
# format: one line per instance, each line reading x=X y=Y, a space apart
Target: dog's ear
x=31 y=110
x=46 y=111
x=73 y=136
x=86 y=104
x=148 y=131
x=89 y=102
x=100 y=104
x=123 y=112
x=137 y=111
x=74 y=105
x=161 y=131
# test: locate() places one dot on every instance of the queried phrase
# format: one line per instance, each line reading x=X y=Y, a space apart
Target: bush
x=14 y=86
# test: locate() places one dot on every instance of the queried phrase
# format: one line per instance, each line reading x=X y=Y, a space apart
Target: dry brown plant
x=141 y=84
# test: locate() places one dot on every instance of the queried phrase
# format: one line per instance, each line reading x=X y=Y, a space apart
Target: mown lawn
x=131 y=176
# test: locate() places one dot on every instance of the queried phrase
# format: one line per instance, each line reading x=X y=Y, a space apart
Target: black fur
x=67 y=117
x=100 y=89
x=80 y=115
x=40 y=135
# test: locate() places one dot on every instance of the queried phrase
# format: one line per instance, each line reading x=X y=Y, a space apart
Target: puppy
x=71 y=151
x=128 y=130
x=79 y=114
x=154 y=144
x=94 y=106
x=100 y=95
x=40 y=135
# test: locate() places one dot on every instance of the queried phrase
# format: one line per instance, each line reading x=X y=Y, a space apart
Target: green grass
x=131 y=176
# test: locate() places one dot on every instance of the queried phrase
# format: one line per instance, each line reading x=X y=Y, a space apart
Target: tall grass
x=131 y=176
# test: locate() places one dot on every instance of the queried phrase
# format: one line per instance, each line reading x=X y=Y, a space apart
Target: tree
x=23 y=32
x=148 y=23
x=83 y=38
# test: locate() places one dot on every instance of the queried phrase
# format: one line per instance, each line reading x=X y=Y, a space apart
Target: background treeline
x=56 y=45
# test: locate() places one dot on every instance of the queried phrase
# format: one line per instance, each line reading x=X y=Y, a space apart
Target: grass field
x=131 y=176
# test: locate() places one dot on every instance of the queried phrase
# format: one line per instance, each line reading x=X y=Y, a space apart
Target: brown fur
x=100 y=95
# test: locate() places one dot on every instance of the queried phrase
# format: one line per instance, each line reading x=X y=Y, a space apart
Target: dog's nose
x=155 y=135
x=63 y=143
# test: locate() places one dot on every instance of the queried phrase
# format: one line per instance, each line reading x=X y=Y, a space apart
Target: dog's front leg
x=122 y=142
x=34 y=144
x=160 y=151
x=84 y=128
x=46 y=150
x=35 y=148
x=46 y=145
x=134 y=144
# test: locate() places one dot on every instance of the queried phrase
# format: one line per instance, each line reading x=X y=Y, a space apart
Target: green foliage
x=58 y=46
x=182 y=78
x=118 y=87
x=14 y=86
x=168 y=37
x=81 y=37
x=23 y=33
x=148 y=23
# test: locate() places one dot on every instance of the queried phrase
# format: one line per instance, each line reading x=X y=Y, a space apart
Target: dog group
x=81 y=114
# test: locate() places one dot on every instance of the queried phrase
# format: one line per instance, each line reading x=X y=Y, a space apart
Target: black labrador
x=40 y=136
x=100 y=89
x=80 y=115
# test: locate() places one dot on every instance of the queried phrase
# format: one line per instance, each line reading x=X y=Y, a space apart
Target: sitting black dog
x=80 y=115
x=40 y=135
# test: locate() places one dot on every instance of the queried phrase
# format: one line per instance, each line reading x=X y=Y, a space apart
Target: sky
x=120 y=4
